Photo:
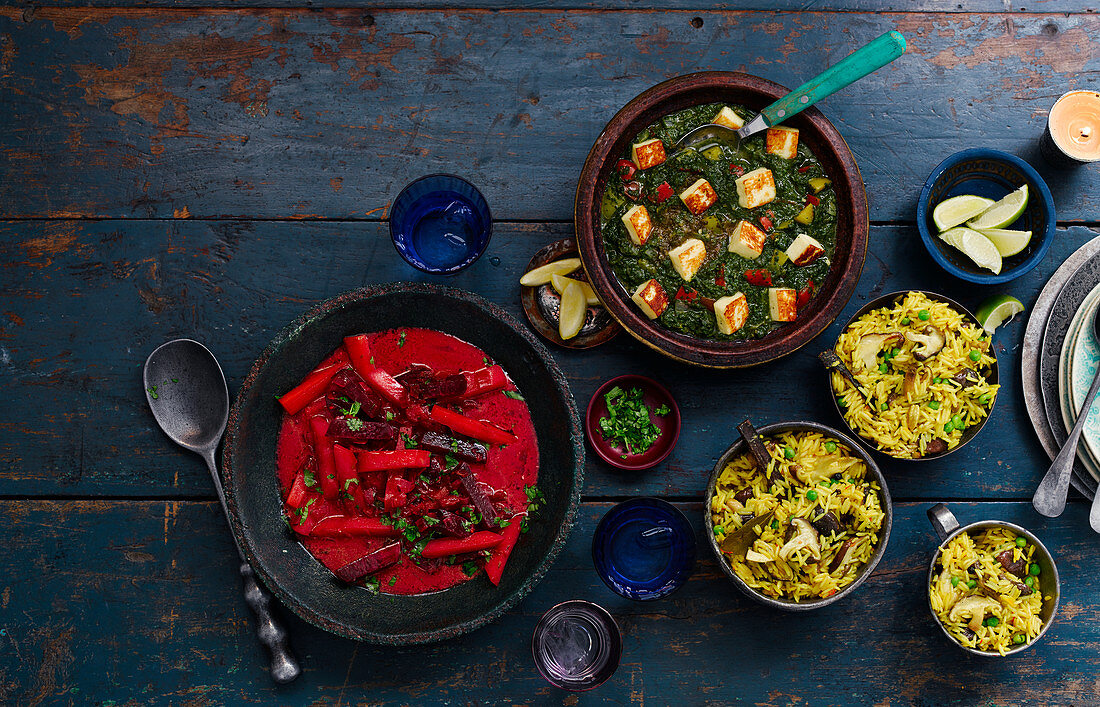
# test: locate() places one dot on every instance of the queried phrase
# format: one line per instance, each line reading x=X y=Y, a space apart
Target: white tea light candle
x=1072 y=135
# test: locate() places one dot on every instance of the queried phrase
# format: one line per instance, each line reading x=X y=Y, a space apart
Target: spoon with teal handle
x=852 y=68
x=1050 y=495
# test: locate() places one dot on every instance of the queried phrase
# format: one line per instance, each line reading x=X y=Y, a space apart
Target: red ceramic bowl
x=654 y=395
x=815 y=131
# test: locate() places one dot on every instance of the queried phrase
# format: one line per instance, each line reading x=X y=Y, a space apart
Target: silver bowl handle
x=943 y=521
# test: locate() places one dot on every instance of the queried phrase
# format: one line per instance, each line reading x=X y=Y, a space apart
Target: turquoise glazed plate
x=1084 y=360
x=1065 y=402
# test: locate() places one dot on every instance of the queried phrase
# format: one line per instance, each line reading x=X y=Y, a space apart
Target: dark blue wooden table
x=212 y=169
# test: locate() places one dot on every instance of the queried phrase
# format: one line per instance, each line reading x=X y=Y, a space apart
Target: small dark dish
x=815 y=131
x=739 y=448
x=993 y=377
x=654 y=395
x=541 y=304
x=256 y=508
x=992 y=174
x=947 y=528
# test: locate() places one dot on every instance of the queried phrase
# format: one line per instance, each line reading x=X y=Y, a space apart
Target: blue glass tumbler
x=644 y=549
x=440 y=224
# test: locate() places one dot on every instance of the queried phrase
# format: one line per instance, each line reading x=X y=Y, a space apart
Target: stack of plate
x=1060 y=357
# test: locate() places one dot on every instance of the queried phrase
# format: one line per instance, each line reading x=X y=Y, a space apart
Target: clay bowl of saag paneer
x=719 y=256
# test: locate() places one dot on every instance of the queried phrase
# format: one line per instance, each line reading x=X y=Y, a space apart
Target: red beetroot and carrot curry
x=407 y=462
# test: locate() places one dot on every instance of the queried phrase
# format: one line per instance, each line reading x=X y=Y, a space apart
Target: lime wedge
x=1008 y=242
x=997 y=310
x=958 y=209
x=560 y=282
x=1003 y=213
x=573 y=309
x=953 y=236
x=541 y=275
x=976 y=246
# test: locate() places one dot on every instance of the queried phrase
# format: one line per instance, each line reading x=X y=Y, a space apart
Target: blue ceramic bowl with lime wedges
x=993 y=175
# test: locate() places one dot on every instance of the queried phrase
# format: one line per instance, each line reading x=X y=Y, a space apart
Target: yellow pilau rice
x=811 y=475
x=916 y=407
x=979 y=601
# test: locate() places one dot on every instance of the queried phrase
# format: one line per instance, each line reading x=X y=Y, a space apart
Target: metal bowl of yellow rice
x=824 y=489
x=930 y=371
x=992 y=586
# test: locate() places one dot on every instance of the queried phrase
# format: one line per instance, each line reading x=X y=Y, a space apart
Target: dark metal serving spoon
x=186 y=391
x=1050 y=496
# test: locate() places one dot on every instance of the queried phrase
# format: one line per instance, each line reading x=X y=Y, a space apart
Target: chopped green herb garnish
x=393 y=580
x=303 y=512
x=401 y=339
x=628 y=421
x=372 y=585
x=469 y=568
x=484 y=361
x=153 y=393
x=349 y=482
x=354 y=423
x=353 y=410
x=409 y=441
x=389 y=415
x=513 y=395
x=310 y=478
x=450 y=461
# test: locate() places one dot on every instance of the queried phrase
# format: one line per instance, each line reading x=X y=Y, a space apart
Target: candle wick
x=1086 y=132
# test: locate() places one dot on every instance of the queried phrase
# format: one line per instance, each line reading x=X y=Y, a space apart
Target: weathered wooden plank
x=165 y=624
x=85 y=302
x=947 y=6
x=296 y=113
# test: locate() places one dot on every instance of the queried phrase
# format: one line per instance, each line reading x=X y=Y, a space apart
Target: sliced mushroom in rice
x=870 y=345
x=975 y=608
x=967 y=377
x=843 y=555
x=928 y=342
x=754 y=556
x=826 y=522
x=805 y=537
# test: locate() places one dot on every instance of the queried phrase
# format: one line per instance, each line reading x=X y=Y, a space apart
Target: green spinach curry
x=800 y=182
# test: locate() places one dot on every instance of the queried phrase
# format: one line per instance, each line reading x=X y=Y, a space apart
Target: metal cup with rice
x=927 y=370
x=992 y=586
x=831 y=516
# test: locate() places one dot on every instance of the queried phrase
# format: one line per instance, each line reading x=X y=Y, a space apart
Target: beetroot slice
x=461 y=448
x=477 y=495
x=452 y=524
x=370 y=563
x=347 y=383
x=366 y=432
x=446 y=387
